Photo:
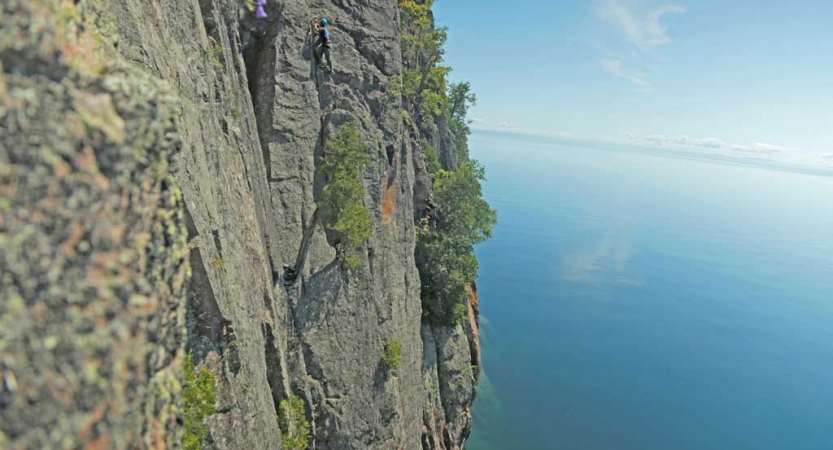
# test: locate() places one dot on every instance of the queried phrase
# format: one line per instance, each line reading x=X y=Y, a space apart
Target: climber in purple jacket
x=322 y=45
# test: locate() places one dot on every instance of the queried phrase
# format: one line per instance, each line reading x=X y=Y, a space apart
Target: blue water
x=632 y=301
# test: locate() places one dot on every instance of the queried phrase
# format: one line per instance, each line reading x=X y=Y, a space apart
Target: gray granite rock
x=237 y=110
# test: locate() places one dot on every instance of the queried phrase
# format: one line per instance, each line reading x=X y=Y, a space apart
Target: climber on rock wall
x=321 y=48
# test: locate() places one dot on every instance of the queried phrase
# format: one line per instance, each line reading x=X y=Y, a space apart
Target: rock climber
x=322 y=45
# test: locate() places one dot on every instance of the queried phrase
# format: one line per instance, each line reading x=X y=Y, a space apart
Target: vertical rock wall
x=242 y=121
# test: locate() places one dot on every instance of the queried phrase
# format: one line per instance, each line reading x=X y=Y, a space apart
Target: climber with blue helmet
x=322 y=45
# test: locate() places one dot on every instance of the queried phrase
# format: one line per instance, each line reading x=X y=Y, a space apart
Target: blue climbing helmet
x=323 y=22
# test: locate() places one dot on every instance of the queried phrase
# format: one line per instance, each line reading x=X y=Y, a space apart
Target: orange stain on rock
x=472 y=291
x=474 y=320
x=389 y=203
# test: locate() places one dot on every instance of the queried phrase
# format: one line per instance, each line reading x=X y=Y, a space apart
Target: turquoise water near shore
x=636 y=301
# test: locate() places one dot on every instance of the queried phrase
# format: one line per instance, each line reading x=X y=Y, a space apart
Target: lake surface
x=632 y=301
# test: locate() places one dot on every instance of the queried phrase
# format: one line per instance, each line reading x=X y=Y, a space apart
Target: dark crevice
x=447 y=438
x=291 y=274
x=259 y=45
x=318 y=155
x=190 y=226
x=273 y=365
x=438 y=355
x=208 y=329
x=207 y=12
x=252 y=58
x=314 y=369
x=267 y=304
x=219 y=246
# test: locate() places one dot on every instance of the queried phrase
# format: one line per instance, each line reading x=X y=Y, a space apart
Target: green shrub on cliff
x=424 y=79
x=445 y=249
x=199 y=402
x=293 y=423
x=345 y=154
x=460 y=99
x=391 y=353
x=461 y=218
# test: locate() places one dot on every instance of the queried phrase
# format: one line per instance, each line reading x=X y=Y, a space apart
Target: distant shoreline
x=666 y=152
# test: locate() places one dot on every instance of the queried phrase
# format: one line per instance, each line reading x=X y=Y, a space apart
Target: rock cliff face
x=141 y=138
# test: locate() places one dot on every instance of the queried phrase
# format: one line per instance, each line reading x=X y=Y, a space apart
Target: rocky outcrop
x=238 y=110
x=92 y=242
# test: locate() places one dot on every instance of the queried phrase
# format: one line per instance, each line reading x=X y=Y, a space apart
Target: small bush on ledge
x=293 y=423
x=345 y=154
x=391 y=353
x=199 y=402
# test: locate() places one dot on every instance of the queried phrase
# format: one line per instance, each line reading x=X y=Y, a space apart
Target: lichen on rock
x=92 y=240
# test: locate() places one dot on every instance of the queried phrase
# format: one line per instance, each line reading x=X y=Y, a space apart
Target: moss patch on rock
x=293 y=423
x=391 y=353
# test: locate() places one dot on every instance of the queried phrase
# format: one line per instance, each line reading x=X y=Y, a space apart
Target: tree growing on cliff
x=424 y=79
x=345 y=154
x=461 y=219
x=292 y=421
x=199 y=402
x=460 y=99
x=445 y=248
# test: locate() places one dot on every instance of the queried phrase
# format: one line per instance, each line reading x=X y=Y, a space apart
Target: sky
x=735 y=76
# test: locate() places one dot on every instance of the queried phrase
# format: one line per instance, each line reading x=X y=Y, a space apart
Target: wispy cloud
x=614 y=67
x=641 y=26
x=506 y=125
x=702 y=147
x=716 y=144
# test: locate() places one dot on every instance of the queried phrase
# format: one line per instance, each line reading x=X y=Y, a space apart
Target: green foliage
x=465 y=214
x=445 y=246
x=351 y=261
x=445 y=251
x=432 y=159
x=424 y=78
x=199 y=399
x=421 y=41
x=406 y=118
x=345 y=154
x=395 y=86
x=460 y=99
x=461 y=313
x=426 y=90
x=292 y=420
x=391 y=353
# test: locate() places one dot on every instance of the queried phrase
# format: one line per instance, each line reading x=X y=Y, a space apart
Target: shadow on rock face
x=321 y=291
